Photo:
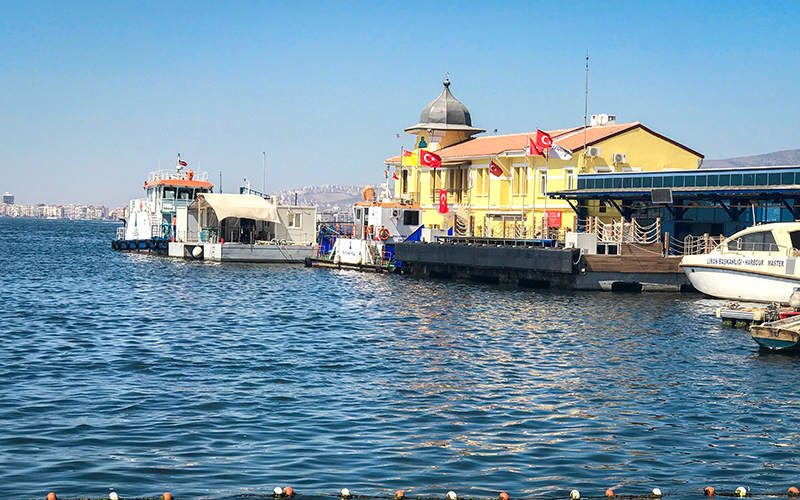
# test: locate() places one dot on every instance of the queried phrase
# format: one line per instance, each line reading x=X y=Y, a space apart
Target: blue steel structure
x=713 y=201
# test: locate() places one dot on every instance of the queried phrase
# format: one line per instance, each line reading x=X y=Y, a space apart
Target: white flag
x=557 y=151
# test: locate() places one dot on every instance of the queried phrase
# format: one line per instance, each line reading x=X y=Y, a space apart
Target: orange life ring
x=383 y=234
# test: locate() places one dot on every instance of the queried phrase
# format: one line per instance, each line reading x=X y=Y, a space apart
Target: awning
x=243 y=206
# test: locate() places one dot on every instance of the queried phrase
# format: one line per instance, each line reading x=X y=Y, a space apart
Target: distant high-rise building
x=8 y=198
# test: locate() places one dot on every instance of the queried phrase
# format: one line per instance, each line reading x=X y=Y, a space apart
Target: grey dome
x=445 y=113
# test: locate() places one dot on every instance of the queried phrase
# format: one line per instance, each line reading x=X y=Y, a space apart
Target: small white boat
x=757 y=264
x=368 y=243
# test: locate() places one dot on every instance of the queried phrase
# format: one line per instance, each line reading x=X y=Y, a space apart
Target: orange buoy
x=399 y=494
x=52 y=496
x=503 y=496
x=167 y=496
x=793 y=492
x=708 y=491
x=609 y=493
x=288 y=491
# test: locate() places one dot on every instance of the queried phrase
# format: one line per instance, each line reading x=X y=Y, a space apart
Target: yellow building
x=515 y=202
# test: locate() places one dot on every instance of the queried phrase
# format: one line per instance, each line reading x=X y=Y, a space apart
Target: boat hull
x=158 y=246
x=741 y=284
x=783 y=335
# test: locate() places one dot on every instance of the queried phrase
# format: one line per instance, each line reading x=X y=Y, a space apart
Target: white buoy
x=656 y=492
x=345 y=493
x=741 y=491
x=278 y=491
x=113 y=496
x=575 y=494
x=451 y=495
x=197 y=252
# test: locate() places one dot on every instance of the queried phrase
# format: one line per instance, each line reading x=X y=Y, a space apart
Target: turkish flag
x=443 y=201
x=395 y=176
x=183 y=163
x=495 y=169
x=532 y=149
x=428 y=159
x=543 y=140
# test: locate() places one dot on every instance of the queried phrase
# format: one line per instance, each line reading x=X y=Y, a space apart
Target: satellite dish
x=368 y=194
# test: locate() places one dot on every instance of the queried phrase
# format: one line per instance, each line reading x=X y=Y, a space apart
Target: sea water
x=143 y=374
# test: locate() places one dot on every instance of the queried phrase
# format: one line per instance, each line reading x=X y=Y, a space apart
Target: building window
x=520 y=186
x=404 y=181
x=569 y=179
x=543 y=183
x=294 y=220
x=482 y=181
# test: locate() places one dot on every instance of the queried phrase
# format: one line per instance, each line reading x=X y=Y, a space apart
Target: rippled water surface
x=144 y=374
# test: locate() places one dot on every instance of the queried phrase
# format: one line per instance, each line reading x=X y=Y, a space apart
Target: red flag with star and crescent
x=443 y=201
x=428 y=159
x=543 y=140
x=495 y=169
x=532 y=149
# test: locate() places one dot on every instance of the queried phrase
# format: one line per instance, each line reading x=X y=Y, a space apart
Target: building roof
x=571 y=139
x=445 y=113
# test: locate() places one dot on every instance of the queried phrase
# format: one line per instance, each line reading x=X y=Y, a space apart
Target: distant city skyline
x=96 y=96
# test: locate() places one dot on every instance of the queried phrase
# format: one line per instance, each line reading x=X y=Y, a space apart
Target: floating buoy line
x=345 y=494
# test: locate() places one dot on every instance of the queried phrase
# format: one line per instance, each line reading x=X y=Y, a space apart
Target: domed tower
x=443 y=122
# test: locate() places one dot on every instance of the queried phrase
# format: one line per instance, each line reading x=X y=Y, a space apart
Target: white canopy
x=243 y=206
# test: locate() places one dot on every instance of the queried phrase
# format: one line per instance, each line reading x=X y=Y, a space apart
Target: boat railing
x=160 y=175
x=139 y=205
x=699 y=245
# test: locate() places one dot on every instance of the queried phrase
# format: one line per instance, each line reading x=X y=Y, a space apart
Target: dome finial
x=447 y=79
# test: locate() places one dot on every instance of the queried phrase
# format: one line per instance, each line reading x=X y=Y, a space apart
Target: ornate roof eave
x=445 y=127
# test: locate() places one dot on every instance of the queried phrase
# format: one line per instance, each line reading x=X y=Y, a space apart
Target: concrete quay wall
x=539 y=267
x=533 y=267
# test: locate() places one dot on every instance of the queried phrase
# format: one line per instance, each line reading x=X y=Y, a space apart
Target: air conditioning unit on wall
x=593 y=151
x=619 y=158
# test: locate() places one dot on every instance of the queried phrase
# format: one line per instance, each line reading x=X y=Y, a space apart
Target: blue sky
x=93 y=95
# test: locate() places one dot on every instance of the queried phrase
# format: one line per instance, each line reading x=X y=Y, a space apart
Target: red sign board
x=554 y=218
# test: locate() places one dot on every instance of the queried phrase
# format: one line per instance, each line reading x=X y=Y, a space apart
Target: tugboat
x=150 y=225
x=368 y=243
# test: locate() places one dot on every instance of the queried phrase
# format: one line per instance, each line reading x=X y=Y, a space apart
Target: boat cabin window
x=795 y=236
x=410 y=217
x=762 y=241
x=169 y=194
x=358 y=214
x=184 y=194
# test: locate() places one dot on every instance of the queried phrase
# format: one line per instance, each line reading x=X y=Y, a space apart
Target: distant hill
x=327 y=198
x=777 y=159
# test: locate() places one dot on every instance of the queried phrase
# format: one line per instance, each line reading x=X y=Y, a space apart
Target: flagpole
x=524 y=185
x=488 y=195
x=585 y=110
x=546 y=172
x=533 y=202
